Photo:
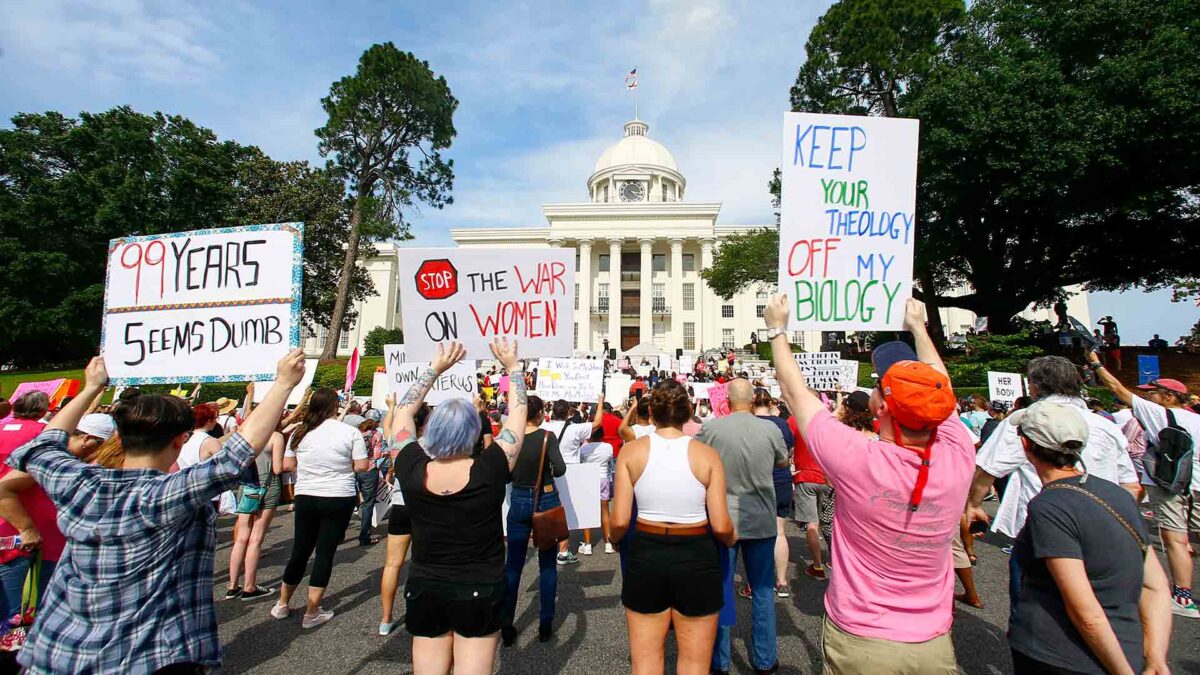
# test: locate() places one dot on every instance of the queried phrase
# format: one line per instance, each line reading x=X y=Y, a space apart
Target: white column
x=675 y=295
x=645 y=323
x=583 y=316
x=709 y=312
x=614 y=293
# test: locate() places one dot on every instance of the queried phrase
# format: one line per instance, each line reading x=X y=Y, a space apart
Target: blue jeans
x=520 y=529
x=368 y=483
x=12 y=581
x=1014 y=584
x=759 y=558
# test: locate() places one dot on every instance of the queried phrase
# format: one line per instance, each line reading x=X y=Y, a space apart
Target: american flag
x=631 y=79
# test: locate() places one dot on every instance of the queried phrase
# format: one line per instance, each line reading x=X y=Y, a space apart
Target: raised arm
x=404 y=422
x=802 y=401
x=598 y=418
x=1106 y=378
x=513 y=434
x=95 y=380
x=914 y=322
x=625 y=431
x=261 y=423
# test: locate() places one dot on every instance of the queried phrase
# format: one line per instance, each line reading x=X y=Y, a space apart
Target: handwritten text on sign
x=458 y=382
x=577 y=380
x=847 y=222
x=476 y=295
x=210 y=305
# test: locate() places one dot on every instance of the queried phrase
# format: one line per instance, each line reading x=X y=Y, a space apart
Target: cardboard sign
x=476 y=295
x=297 y=395
x=218 y=305
x=827 y=371
x=50 y=388
x=579 y=490
x=458 y=382
x=616 y=387
x=1004 y=387
x=575 y=380
x=847 y=220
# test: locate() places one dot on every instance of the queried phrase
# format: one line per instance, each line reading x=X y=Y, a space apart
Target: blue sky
x=539 y=86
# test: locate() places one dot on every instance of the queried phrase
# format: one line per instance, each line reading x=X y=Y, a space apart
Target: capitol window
x=726 y=311
x=689 y=262
x=689 y=335
x=604 y=258
x=758 y=310
x=658 y=262
x=727 y=338
x=798 y=338
x=664 y=191
x=689 y=297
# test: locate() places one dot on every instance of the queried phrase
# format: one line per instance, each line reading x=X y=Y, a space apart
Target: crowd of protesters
x=111 y=511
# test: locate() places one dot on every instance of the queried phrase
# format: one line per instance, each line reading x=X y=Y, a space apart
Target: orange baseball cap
x=918 y=396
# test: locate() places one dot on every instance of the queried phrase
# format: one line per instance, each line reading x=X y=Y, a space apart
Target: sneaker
x=231 y=593
x=815 y=572
x=781 y=591
x=585 y=549
x=508 y=635
x=608 y=548
x=258 y=592
x=386 y=629
x=990 y=498
x=567 y=558
x=317 y=619
x=744 y=591
x=545 y=630
x=1006 y=550
x=280 y=611
x=1181 y=606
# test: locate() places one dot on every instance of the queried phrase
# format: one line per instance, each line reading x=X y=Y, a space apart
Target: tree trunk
x=334 y=333
x=936 y=331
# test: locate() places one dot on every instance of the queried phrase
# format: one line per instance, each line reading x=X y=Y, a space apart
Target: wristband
x=775 y=331
x=1095 y=366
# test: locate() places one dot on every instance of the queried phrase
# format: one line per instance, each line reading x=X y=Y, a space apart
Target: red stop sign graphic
x=437 y=279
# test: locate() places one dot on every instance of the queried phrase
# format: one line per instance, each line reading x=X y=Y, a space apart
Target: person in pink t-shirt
x=900 y=499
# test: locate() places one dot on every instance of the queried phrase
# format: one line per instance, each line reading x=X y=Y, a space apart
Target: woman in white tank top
x=672 y=570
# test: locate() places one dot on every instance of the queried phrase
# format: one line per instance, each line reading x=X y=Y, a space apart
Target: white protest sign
x=220 y=305
x=475 y=295
x=458 y=382
x=644 y=371
x=849 y=375
x=579 y=490
x=823 y=371
x=379 y=390
x=577 y=380
x=297 y=395
x=1004 y=386
x=700 y=389
x=847 y=220
x=616 y=387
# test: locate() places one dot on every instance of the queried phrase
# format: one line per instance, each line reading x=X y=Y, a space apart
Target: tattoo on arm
x=507 y=436
x=403 y=438
x=518 y=389
x=416 y=393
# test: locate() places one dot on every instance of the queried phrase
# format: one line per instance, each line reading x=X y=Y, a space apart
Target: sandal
x=374 y=539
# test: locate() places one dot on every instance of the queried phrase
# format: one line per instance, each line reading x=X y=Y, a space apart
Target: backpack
x=1168 y=462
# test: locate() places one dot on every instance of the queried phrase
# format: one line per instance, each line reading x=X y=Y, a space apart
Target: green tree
x=68 y=186
x=388 y=124
x=380 y=337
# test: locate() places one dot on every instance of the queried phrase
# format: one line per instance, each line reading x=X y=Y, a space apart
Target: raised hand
x=776 y=312
x=448 y=354
x=506 y=353
x=290 y=370
x=914 y=316
x=96 y=374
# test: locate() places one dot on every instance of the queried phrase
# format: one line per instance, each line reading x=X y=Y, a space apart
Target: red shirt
x=610 y=423
x=13 y=434
x=807 y=469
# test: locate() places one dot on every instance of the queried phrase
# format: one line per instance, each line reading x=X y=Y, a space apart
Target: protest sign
x=379 y=390
x=718 y=398
x=616 y=387
x=220 y=305
x=458 y=382
x=847 y=220
x=1004 y=386
x=824 y=371
x=1148 y=370
x=579 y=490
x=297 y=395
x=476 y=295
x=700 y=390
x=577 y=380
x=51 y=388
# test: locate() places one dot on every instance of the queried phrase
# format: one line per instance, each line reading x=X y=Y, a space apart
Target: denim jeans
x=12 y=581
x=368 y=482
x=520 y=529
x=1014 y=584
x=759 y=558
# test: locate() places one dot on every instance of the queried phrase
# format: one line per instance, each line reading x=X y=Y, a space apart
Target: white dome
x=635 y=148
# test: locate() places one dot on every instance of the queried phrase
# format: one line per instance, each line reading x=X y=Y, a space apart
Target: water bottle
x=10 y=542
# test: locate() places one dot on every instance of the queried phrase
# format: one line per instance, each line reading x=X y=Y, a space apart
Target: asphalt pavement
x=590 y=634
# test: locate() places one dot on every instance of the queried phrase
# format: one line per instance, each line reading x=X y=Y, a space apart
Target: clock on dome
x=633 y=191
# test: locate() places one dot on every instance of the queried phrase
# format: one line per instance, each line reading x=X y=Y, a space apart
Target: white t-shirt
x=1153 y=418
x=228 y=423
x=1122 y=416
x=325 y=460
x=189 y=454
x=598 y=453
x=574 y=438
x=643 y=430
x=1106 y=455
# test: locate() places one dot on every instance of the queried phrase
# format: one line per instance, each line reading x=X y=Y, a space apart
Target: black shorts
x=681 y=573
x=435 y=608
x=782 y=478
x=399 y=522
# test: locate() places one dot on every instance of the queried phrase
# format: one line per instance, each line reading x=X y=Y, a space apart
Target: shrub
x=379 y=337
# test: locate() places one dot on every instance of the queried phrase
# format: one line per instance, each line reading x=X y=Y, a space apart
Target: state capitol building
x=639 y=248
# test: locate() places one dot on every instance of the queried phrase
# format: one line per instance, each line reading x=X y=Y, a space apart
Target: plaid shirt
x=133 y=592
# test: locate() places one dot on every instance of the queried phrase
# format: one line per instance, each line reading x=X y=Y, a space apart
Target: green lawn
x=9 y=379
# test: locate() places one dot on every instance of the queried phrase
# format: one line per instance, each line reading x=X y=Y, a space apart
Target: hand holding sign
x=776 y=312
x=914 y=316
x=96 y=374
x=447 y=357
x=290 y=370
x=505 y=353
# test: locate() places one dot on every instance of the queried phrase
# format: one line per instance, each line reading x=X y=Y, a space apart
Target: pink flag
x=351 y=370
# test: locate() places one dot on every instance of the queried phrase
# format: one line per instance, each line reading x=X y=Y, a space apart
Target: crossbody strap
x=537 y=487
x=1128 y=528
